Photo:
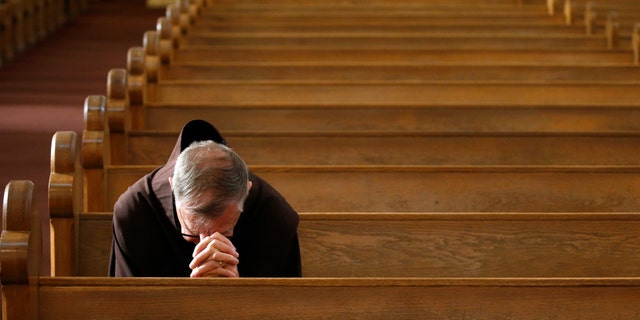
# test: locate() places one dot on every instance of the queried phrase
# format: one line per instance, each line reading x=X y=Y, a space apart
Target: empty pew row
x=28 y=295
x=234 y=20
x=477 y=54
x=372 y=92
x=615 y=19
x=25 y=22
x=424 y=93
x=127 y=93
x=365 y=147
x=316 y=298
x=418 y=244
x=162 y=45
x=363 y=16
x=211 y=71
x=397 y=41
x=272 y=117
x=588 y=12
x=221 y=19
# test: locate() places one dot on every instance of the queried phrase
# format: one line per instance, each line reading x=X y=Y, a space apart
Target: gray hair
x=209 y=167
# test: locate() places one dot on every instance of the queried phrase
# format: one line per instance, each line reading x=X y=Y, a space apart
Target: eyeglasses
x=190 y=235
x=198 y=237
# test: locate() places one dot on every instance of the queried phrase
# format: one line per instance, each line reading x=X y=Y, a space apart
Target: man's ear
x=171 y=182
x=249 y=185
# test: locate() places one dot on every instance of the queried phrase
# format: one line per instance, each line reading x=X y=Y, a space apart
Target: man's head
x=210 y=183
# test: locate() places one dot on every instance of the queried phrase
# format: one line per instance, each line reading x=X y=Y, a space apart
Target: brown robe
x=146 y=232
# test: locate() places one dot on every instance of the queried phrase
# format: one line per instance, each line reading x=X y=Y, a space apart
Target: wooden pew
x=328 y=147
x=365 y=147
x=409 y=148
x=415 y=188
x=397 y=56
x=367 y=298
x=27 y=295
x=349 y=244
x=451 y=119
x=94 y=228
x=173 y=33
x=25 y=22
x=589 y=12
x=20 y=251
x=435 y=93
x=397 y=73
x=436 y=188
x=470 y=244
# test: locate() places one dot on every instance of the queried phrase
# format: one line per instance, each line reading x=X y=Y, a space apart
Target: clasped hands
x=214 y=256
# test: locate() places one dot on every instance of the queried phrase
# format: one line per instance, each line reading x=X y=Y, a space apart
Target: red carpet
x=43 y=89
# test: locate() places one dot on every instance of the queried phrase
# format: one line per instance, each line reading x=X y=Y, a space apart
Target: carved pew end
x=20 y=251
x=137 y=79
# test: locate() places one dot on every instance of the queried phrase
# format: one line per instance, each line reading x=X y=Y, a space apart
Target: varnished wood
x=65 y=200
x=203 y=93
x=437 y=188
x=342 y=298
x=428 y=118
x=20 y=251
x=469 y=244
x=402 y=148
x=414 y=56
x=423 y=42
x=397 y=73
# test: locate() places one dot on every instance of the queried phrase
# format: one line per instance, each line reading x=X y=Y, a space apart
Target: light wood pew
x=392 y=42
x=365 y=147
x=351 y=244
x=436 y=188
x=365 y=18
x=65 y=196
x=427 y=118
x=25 y=22
x=20 y=250
x=163 y=44
x=367 y=298
x=382 y=92
x=409 y=148
x=291 y=56
x=415 y=188
x=435 y=93
x=469 y=244
x=9 y=47
x=307 y=183
x=129 y=109
x=247 y=73
x=588 y=13
x=27 y=295
x=420 y=26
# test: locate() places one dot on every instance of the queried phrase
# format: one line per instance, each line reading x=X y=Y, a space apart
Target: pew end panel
x=20 y=251
x=66 y=190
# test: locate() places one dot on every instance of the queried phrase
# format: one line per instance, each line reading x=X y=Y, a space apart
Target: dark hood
x=193 y=131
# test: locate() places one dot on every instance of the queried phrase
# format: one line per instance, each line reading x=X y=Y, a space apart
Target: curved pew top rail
x=65 y=199
x=340 y=298
x=20 y=250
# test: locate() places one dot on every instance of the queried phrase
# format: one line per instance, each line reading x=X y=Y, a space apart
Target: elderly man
x=203 y=214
